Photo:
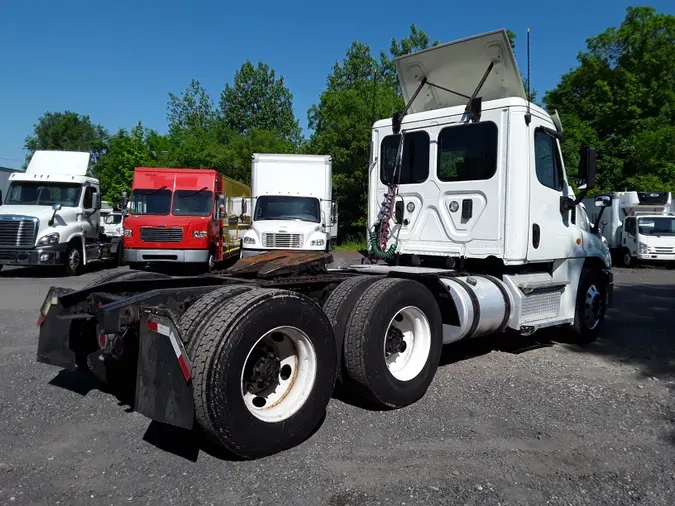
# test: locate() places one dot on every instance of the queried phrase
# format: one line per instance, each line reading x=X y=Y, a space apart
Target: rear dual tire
x=392 y=338
x=264 y=368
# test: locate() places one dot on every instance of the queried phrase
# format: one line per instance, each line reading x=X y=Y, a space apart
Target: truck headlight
x=48 y=239
x=249 y=240
x=128 y=232
x=317 y=242
x=643 y=248
x=199 y=234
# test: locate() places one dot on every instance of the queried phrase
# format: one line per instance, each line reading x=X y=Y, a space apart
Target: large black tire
x=221 y=355
x=365 y=339
x=124 y=274
x=338 y=307
x=73 y=262
x=591 y=296
x=198 y=316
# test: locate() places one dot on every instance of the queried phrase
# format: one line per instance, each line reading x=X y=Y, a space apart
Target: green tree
x=359 y=90
x=193 y=110
x=258 y=100
x=67 y=131
x=127 y=150
x=621 y=100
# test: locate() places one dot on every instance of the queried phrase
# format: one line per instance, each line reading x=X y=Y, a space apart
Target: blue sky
x=117 y=60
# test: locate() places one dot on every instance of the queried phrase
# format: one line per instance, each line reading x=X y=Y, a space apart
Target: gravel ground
x=553 y=425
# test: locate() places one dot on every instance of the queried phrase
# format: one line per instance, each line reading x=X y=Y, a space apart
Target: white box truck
x=50 y=215
x=638 y=226
x=484 y=241
x=292 y=207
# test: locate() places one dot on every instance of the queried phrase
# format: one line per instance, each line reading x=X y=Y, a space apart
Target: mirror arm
x=596 y=225
x=51 y=220
x=567 y=203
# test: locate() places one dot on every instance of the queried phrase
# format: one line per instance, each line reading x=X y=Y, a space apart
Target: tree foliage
x=258 y=100
x=126 y=151
x=67 y=131
x=621 y=99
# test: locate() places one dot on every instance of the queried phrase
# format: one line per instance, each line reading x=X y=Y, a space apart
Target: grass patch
x=353 y=243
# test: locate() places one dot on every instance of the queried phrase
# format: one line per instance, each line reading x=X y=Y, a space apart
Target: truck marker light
x=578 y=240
x=177 y=346
x=41 y=319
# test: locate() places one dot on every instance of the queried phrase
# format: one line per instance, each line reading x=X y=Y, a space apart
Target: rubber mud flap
x=162 y=392
x=54 y=340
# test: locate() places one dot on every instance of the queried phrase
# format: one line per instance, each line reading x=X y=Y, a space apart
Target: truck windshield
x=276 y=207
x=192 y=203
x=113 y=219
x=151 y=201
x=657 y=225
x=28 y=193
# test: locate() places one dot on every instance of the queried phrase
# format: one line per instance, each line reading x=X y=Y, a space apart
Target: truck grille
x=18 y=231
x=161 y=234
x=662 y=250
x=282 y=240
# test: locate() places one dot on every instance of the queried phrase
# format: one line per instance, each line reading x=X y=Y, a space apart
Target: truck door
x=90 y=218
x=629 y=236
x=551 y=235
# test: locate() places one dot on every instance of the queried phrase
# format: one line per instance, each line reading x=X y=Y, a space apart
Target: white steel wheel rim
x=293 y=384
x=414 y=326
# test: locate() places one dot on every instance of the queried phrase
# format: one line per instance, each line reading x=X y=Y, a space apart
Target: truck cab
x=50 y=214
x=481 y=182
x=640 y=226
x=292 y=204
x=182 y=216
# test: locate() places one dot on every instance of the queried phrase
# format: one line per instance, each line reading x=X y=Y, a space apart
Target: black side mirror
x=56 y=208
x=587 y=166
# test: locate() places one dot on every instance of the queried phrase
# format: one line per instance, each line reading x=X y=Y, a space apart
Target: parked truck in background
x=51 y=215
x=639 y=226
x=292 y=204
x=475 y=235
x=183 y=216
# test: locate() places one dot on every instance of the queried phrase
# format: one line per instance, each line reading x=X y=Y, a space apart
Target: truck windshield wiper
x=154 y=191
x=193 y=193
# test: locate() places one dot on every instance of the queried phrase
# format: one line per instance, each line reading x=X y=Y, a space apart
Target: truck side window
x=630 y=226
x=547 y=160
x=88 y=201
x=467 y=152
x=415 y=163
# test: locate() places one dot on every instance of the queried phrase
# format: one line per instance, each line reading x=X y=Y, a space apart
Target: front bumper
x=190 y=256
x=45 y=255
x=250 y=252
x=663 y=257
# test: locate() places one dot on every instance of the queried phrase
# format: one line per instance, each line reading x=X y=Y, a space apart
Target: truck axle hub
x=395 y=342
x=262 y=370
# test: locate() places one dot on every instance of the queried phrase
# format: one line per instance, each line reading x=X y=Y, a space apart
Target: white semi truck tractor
x=50 y=215
x=473 y=230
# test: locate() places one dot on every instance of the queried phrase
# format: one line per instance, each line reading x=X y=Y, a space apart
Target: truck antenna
x=374 y=95
x=528 y=116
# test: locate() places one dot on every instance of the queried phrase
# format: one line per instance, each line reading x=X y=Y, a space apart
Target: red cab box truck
x=192 y=216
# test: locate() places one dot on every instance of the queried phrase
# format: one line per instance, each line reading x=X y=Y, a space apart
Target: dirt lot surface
x=556 y=424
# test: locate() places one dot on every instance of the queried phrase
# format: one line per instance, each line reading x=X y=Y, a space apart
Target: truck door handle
x=467 y=209
x=536 y=236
